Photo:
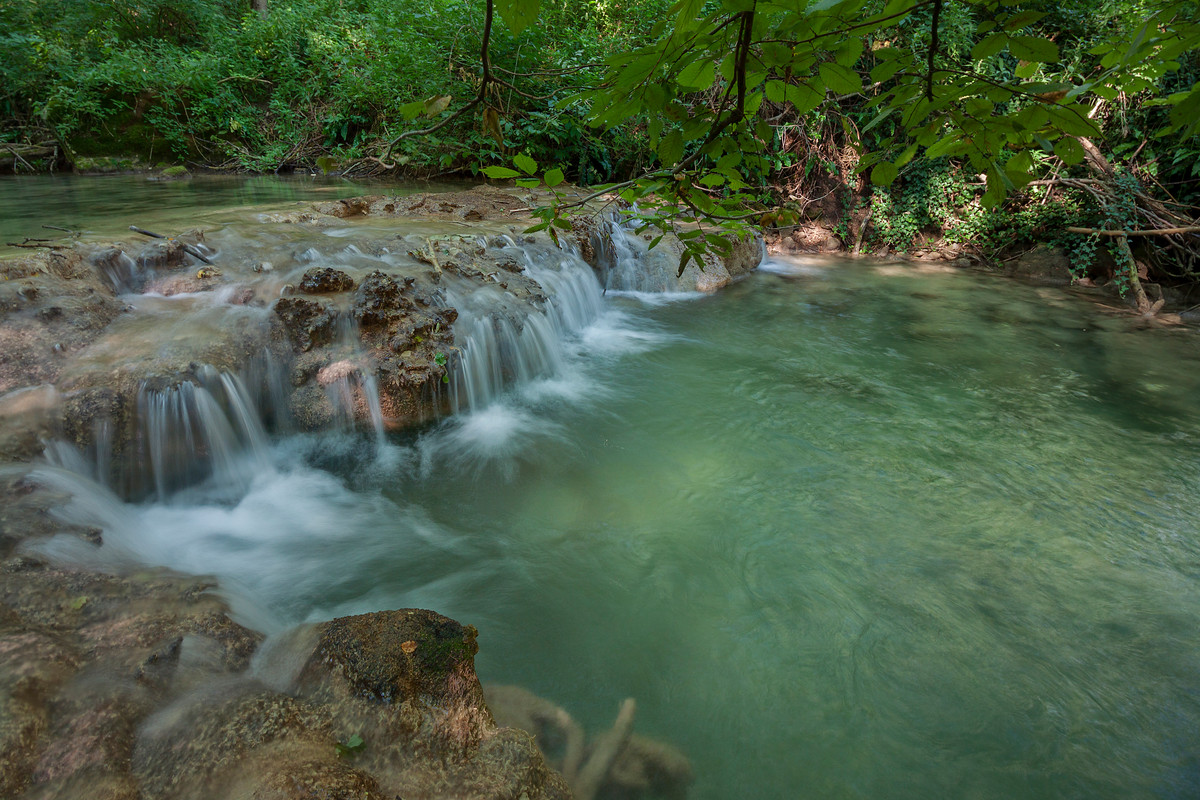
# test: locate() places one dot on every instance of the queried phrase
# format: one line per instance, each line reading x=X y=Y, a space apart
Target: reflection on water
x=104 y=206
x=842 y=532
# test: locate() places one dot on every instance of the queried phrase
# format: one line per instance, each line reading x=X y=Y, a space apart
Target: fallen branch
x=187 y=248
x=34 y=243
x=605 y=750
x=1139 y=293
x=17 y=155
x=1159 y=232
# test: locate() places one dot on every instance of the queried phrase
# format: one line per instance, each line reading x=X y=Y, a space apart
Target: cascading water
x=626 y=261
x=504 y=343
x=209 y=428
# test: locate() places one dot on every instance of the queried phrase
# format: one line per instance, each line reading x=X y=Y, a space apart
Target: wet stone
x=308 y=323
x=325 y=280
x=380 y=300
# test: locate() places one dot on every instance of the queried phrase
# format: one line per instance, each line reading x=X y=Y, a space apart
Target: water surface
x=104 y=206
x=843 y=530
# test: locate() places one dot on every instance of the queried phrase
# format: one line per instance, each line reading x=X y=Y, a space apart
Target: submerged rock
x=1044 y=266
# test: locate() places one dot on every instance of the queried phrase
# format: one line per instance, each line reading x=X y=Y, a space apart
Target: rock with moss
x=405 y=682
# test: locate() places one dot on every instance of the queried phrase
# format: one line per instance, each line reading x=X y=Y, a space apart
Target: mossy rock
x=175 y=173
x=391 y=656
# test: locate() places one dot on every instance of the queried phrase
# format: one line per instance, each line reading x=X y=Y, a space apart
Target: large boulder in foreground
x=368 y=707
x=405 y=682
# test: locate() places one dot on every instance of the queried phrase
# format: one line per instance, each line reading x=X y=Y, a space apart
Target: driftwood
x=615 y=761
x=20 y=152
x=187 y=248
x=1159 y=232
x=605 y=750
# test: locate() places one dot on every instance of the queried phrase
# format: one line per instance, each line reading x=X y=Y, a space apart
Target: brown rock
x=309 y=323
x=1045 y=266
x=325 y=280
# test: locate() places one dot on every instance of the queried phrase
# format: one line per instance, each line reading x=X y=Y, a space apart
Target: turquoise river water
x=844 y=530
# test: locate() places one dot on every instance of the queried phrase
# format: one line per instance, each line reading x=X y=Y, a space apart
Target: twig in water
x=187 y=248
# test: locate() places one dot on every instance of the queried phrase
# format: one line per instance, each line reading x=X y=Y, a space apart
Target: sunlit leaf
x=500 y=173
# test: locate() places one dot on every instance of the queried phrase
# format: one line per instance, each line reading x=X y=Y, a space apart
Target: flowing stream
x=846 y=529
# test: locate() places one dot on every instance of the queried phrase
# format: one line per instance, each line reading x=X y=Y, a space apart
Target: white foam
x=656 y=298
x=793 y=265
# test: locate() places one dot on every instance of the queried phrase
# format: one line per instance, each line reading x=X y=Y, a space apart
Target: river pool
x=844 y=530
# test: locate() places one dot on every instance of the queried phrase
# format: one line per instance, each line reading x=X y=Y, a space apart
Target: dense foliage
x=210 y=82
x=985 y=122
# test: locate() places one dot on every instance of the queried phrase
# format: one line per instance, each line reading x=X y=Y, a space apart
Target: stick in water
x=187 y=248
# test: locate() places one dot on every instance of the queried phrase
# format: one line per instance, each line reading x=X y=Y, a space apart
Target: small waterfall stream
x=215 y=426
x=503 y=345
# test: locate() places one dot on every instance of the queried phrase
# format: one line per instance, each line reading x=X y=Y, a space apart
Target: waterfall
x=504 y=343
x=210 y=429
x=626 y=261
x=514 y=327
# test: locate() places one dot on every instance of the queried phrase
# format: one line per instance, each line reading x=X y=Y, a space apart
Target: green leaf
x=944 y=146
x=1072 y=120
x=996 y=189
x=1033 y=48
x=989 y=46
x=525 y=163
x=804 y=97
x=848 y=54
x=412 y=110
x=1022 y=19
x=1069 y=150
x=553 y=177
x=683 y=262
x=839 y=79
x=500 y=173
x=906 y=156
x=1019 y=169
x=886 y=69
x=436 y=105
x=528 y=183
x=698 y=75
x=518 y=14
x=884 y=173
x=728 y=162
x=1026 y=69
x=670 y=149
x=350 y=746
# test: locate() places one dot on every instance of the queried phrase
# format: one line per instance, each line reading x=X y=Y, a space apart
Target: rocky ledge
x=141 y=685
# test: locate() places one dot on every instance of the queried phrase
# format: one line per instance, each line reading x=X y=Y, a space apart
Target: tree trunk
x=260 y=6
x=1135 y=283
